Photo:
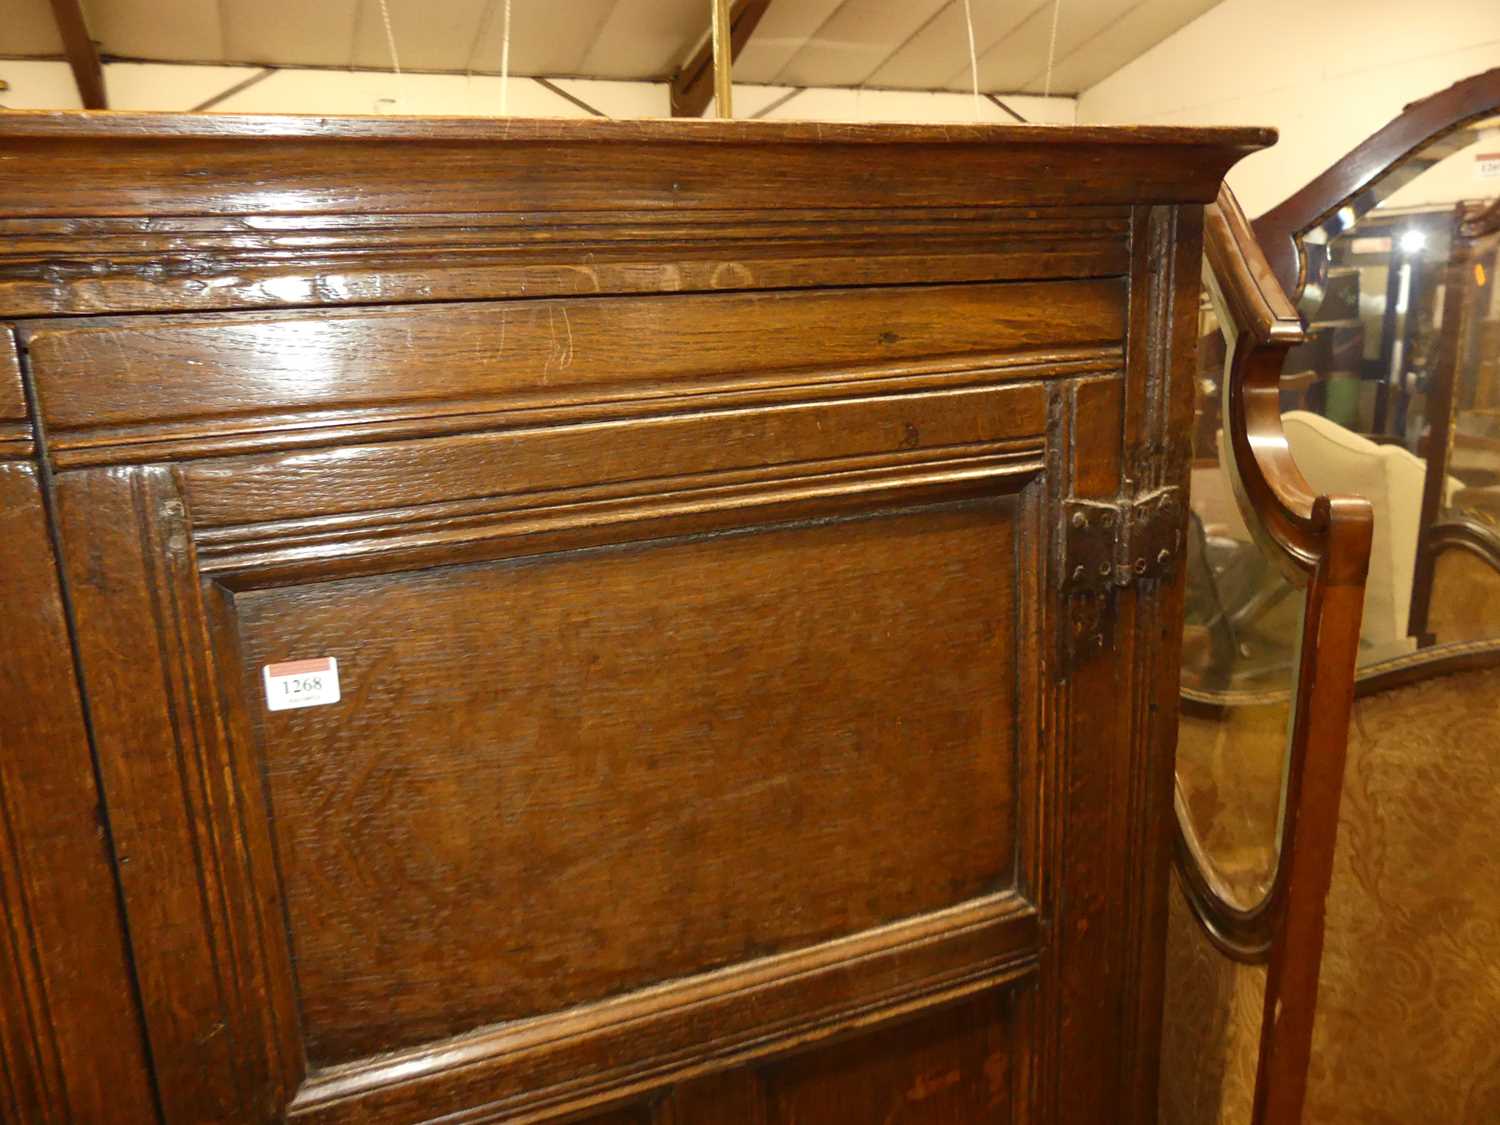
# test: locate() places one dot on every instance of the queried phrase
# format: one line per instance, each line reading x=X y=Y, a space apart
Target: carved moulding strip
x=548 y=1065
x=405 y=539
x=84 y=265
x=213 y=979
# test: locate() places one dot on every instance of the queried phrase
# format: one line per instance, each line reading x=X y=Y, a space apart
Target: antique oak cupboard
x=726 y=575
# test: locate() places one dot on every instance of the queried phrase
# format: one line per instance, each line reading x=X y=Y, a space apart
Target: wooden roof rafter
x=82 y=53
x=693 y=84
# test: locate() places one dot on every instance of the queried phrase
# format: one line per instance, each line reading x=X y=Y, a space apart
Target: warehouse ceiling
x=900 y=44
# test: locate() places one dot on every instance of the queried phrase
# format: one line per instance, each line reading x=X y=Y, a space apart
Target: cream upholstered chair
x=1334 y=459
x=1337 y=460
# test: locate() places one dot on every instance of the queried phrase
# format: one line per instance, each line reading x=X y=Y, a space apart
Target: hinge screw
x=1080 y=520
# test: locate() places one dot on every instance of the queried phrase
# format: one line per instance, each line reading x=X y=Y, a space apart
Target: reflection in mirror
x=1240 y=643
x=1395 y=396
x=1457 y=574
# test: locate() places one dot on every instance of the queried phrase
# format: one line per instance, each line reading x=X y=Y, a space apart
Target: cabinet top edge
x=125 y=126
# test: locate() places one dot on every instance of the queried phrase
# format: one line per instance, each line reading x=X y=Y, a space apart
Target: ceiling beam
x=82 y=54
x=693 y=85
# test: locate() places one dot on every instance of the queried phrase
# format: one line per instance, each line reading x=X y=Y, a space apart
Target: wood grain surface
x=716 y=739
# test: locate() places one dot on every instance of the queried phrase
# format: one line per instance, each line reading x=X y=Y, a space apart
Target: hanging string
x=973 y=56
x=1051 y=50
x=505 y=64
x=390 y=42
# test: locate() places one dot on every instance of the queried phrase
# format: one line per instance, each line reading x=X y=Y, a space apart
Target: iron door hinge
x=1109 y=545
x=1114 y=543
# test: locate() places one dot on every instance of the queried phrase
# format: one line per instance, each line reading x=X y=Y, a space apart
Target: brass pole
x=723 y=58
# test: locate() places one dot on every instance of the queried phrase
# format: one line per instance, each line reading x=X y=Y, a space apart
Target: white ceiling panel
x=428 y=36
x=781 y=34
x=877 y=44
x=1088 y=24
x=544 y=38
x=1131 y=35
x=189 y=30
x=646 y=38
x=855 y=40
x=288 y=32
x=928 y=59
x=1005 y=61
x=27 y=28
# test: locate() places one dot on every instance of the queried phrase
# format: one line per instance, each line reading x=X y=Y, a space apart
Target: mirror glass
x=1394 y=397
x=1242 y=620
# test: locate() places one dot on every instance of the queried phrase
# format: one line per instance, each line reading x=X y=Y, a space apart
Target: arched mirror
x=1393 y=394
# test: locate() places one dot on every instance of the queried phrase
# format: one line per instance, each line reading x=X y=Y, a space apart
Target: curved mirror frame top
x=1392 y=392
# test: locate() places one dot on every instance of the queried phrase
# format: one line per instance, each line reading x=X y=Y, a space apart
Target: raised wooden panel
x=557 y=780
x=731 y=709
x=962 y=1064
x=360 y=507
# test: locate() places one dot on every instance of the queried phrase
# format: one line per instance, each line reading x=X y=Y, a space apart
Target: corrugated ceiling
x=898 y=44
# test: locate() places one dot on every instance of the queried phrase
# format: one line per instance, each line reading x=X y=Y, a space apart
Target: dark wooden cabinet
x=726 y=578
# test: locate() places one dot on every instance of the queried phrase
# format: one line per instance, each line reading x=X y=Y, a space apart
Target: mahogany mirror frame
x=1322 y=545
x=1283 y=229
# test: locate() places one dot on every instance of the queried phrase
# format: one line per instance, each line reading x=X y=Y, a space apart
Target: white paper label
x=301 y=683
x=1487 y=165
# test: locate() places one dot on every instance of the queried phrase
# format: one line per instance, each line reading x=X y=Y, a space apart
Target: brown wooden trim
x=693 y=85
x=1436 y=535
x=1280 y=230
x=1006 y=109
x=1323 y=544
x=554 y=88
x=246 y=128
x=1428 y=664
x=238 y=88
x=83 y=55
x=1466 y=534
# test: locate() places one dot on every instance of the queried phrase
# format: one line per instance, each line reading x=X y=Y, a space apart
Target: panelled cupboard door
x=669 y=707
x=65 y=983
